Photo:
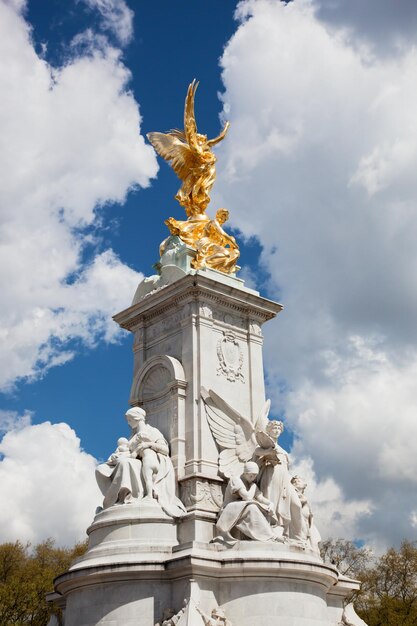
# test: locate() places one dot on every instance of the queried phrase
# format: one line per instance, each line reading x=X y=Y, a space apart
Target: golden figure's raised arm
x=220 y=137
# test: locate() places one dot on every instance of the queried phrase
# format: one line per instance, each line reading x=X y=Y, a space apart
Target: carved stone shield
x=230 y=357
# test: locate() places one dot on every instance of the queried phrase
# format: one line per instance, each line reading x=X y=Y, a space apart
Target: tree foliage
x=346 y=556
x=389 y=589
x=26 y=575
x=388 y=595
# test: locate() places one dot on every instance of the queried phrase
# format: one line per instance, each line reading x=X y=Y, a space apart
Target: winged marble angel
x=246 y=512
x=242 y=442
x=191 y=156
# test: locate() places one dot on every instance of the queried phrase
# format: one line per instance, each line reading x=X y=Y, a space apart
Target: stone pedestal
x=254 y=583
x=119 y=532
x=195 y=329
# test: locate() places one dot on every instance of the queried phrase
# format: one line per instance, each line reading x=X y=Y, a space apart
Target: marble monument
x=202 y=521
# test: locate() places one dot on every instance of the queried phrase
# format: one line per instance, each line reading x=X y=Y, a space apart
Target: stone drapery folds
x=262 y=501
x=141 y=469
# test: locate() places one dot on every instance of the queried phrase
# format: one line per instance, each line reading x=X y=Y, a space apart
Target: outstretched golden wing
x=171 y=148
x=179 y=134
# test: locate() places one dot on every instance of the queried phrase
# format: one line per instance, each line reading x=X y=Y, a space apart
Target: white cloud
x=17 y=5
x=323 y=143
x=334 y=515
x=70 y=143
x=47 y=484
x=10 y=420
x=116 y=17
x=386 y=26
x=361 y=430
x=81 y=310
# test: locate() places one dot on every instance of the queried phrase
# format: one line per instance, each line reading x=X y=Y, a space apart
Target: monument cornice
x=194 y=287
x=271 y=564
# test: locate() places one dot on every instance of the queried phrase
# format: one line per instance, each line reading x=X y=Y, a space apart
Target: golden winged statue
x=191 y=157
x=194 y=162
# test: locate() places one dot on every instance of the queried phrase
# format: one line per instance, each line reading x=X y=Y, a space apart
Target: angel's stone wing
x=233 y=433
x=262 y=421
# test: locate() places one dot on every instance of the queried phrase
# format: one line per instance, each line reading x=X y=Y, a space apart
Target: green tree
x=388 y=595
x=346 y=556
x=26 y=576
x=389 y=589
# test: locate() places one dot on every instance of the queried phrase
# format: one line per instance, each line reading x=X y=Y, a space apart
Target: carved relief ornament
x=192 y=614
x=230 y=357
x=202 y=494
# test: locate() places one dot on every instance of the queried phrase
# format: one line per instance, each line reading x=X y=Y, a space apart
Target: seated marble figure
x=140 y=469
x=246 y=513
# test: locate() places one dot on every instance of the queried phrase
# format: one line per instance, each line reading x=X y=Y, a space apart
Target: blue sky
x=172 y=45
x=318 y=172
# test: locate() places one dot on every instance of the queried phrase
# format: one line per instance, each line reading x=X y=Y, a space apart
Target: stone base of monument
x=119 y=583
x=122 y=531
x=198 y=376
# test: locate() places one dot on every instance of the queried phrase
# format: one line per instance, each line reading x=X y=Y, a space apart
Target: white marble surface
x=350 y=617
x=197 y=329
x=254 y=583
x=212 y=327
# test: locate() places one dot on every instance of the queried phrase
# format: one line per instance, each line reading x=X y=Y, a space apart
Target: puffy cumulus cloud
x=70 y=142
x=81 y=310
x=386 y=26
x=116 y=17
x=47 y=484
x=334 y=514
x=323 y=144
x=11 y=420
x=361 y=430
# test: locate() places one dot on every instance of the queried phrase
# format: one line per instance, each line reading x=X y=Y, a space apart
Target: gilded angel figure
x=191 y=157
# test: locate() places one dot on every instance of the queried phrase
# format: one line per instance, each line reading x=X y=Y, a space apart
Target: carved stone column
x=204 y=329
